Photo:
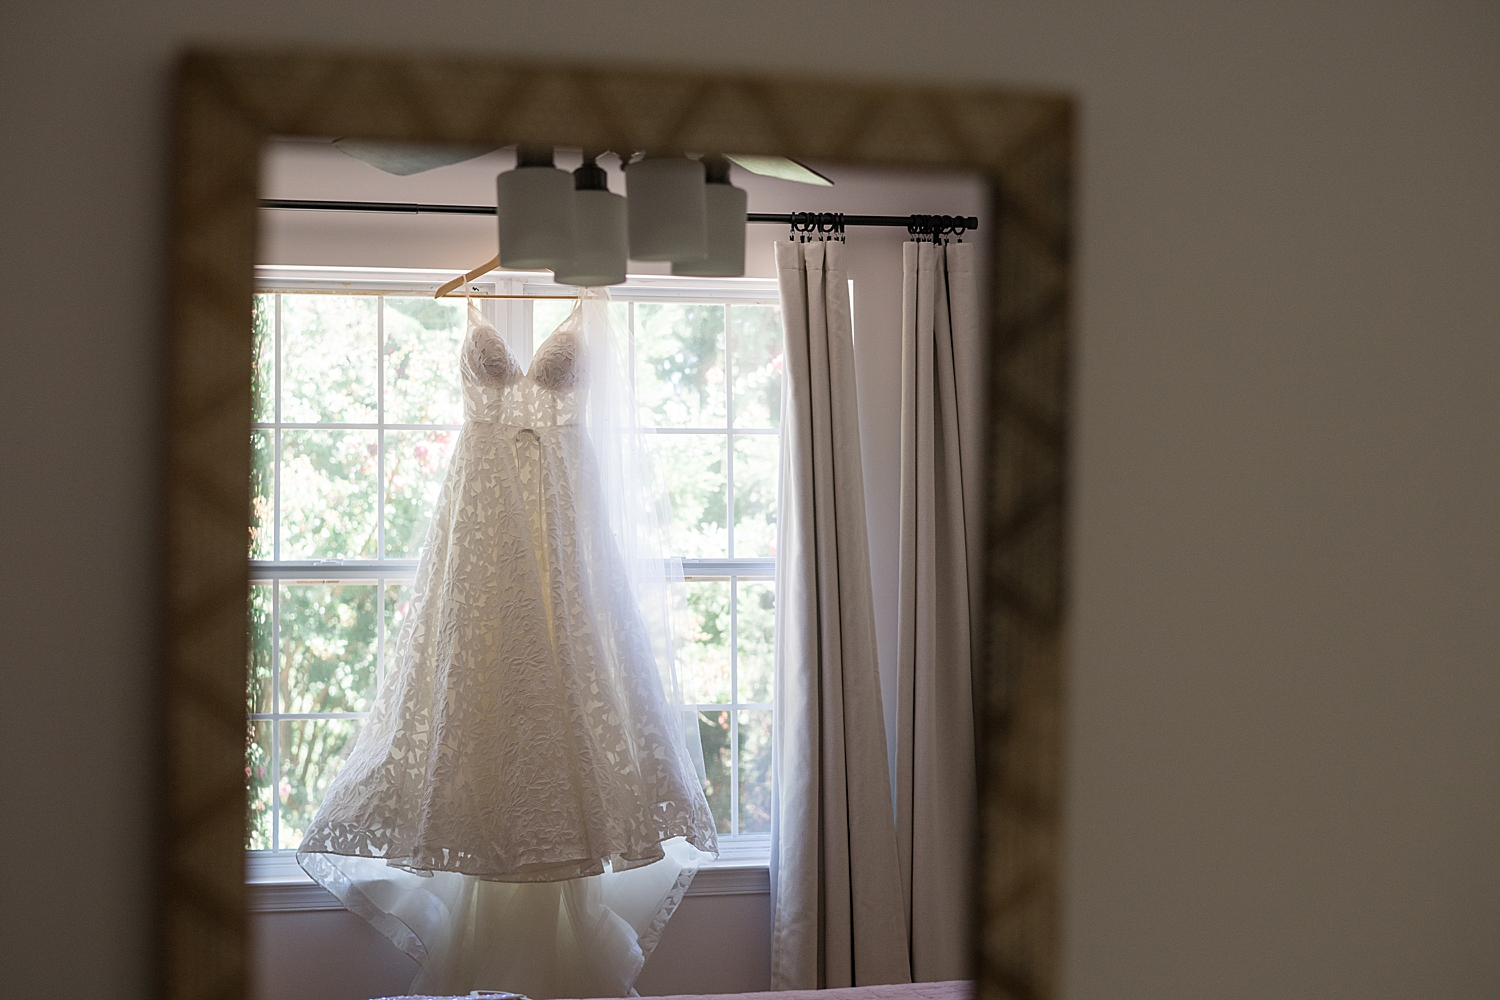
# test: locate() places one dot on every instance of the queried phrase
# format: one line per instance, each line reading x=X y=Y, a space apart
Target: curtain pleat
x=935 y=764
x=838 y=916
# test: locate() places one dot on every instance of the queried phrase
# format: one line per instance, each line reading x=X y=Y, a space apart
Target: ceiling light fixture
x=600 y=240
x=534 y=206
x=667 y=209
x=726 y=206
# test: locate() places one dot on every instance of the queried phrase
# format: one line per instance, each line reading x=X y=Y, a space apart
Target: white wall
x=1283 y=724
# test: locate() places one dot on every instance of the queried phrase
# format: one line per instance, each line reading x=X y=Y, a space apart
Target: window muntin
x=356 y=408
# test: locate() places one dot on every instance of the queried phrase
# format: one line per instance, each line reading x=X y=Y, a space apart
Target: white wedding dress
x=520 y=811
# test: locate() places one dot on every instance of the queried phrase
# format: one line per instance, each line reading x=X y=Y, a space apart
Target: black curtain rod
x=807 y=222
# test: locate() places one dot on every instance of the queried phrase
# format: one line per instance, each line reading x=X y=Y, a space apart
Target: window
x=356 y=407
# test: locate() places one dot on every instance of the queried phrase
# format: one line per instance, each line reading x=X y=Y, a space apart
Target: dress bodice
x=498 y=391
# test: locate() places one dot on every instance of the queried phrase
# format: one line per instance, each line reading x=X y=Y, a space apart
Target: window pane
x=311 y=754
x=756 y=347
x=327 y=647
x=415 y=462
x=546 y=316
x=327 y=494
x=258 y=785
x=756 y=623
x=692 y=467
x=422 y=339
x=263 y=374
x=679 y=364
x=258 y=680
x=755 y=771
x=397 y=603
x=262 y=498
x=756 y=459
x=701 y=631
x=328 y=358
x=713 y=727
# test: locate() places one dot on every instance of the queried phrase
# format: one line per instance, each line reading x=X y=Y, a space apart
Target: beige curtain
x=838 y=915
x=935 y=774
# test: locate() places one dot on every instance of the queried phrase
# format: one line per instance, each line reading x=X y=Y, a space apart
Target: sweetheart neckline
x=525 y=372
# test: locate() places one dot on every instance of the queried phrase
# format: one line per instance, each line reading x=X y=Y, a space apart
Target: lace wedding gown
x=519 y=812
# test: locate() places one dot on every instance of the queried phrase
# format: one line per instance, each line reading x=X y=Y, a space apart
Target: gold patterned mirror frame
x=227 y=103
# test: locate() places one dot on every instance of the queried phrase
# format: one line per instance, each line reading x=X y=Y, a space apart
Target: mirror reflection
x=613 y=551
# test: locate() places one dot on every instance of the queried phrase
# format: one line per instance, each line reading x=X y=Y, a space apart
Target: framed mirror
x=229 y=104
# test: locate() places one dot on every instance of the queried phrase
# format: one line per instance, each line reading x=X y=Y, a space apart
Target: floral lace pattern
x=523 y=734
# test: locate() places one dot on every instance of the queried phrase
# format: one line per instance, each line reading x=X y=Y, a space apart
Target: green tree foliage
x=757 y=459
x=679 y=359
x=756 y=342
x=422 y=338
x=756 y=623
x=312 y=751
x=328 y=358
x=260 y=678
x=713 y=728
x=264 y=372
x=327 y=647
x=701 y=630
x=262 y=497
x=328 y=651
x=693 y=472
x=415 y=463
x=755 y=771
x=328 y=494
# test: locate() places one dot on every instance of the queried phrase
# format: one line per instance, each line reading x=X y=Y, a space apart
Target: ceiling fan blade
x=404 y=159
x=781 y=167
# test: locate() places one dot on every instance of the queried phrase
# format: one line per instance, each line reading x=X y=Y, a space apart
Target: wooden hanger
x=479 y=272
x=482 y=269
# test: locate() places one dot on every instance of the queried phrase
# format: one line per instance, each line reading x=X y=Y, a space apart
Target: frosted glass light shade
x=534 y=206
x=600 y=242
x=668 y=209
x=726 y=236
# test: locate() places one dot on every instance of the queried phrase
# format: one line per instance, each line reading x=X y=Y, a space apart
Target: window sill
x=275 y=884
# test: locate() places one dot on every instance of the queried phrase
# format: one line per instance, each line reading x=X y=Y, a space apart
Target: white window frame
x=277 y=882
